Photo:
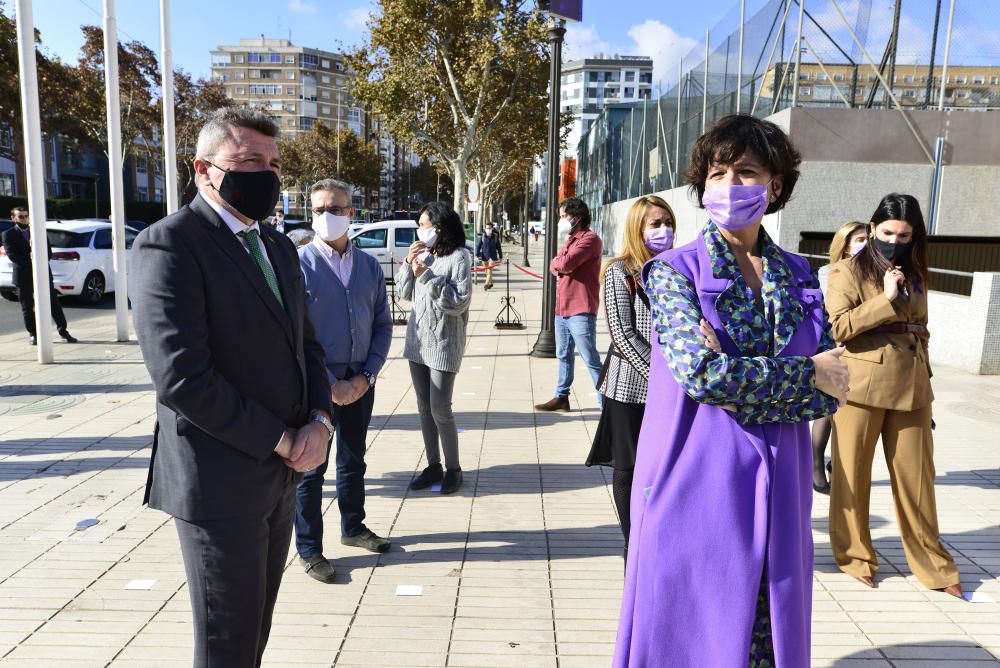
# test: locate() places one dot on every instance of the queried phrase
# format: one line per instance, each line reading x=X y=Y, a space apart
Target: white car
x=81 y=263
x=388 y=241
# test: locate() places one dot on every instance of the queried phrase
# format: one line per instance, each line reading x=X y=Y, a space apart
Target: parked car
x=82 y=263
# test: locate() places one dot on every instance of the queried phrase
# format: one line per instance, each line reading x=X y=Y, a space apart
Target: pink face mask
x=659 y=239
x=857 y=247
x=735 y=207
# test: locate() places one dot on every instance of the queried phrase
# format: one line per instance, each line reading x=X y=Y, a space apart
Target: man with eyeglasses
x=16 y=243
x=350 y=313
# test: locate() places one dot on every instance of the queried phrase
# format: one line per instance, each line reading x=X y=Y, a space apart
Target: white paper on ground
x=978 y=597
x=140 y=584
x=409 y=590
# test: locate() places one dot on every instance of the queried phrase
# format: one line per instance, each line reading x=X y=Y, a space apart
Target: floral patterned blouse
x=763 y=387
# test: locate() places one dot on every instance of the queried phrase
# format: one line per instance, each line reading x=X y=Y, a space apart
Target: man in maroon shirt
x=577 y=268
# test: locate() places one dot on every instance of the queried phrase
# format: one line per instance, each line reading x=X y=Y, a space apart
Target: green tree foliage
x=457 y=79
x=310 y=156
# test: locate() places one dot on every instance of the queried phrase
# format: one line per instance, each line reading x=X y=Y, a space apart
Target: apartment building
x=587 y=85
x=297 y=85
x=966 y=87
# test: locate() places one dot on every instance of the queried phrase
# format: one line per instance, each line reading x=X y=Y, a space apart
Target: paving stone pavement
x=521 y=568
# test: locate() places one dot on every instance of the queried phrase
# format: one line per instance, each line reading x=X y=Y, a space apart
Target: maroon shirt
x=577 y=268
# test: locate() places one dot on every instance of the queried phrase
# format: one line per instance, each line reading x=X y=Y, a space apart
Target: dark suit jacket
x=19 y=252
x=232 y=368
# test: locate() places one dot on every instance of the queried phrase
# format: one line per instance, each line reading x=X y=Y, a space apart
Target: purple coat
x=713 y=500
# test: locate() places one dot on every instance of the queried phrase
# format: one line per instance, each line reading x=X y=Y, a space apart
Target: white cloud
x=661 y=43
x=650 y=38
x=357 y=18
x=584 y=42
x=301 y=7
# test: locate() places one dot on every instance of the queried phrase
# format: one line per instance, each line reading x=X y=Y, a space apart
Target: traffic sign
x=571 y=10
x=473 y=191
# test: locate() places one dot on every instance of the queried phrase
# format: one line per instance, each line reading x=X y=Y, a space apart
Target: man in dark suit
x=243 y=400
x=16 y=245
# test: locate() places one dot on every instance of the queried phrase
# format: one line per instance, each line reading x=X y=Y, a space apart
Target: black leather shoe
x=33 y=340
x=367 y=540
x=429 y=476
x=66 y=336
x=554 y=404
x=822 y=489
x=319 y=568
x=452 y=481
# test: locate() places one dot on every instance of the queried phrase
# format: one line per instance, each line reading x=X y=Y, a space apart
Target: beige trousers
x=909 y=453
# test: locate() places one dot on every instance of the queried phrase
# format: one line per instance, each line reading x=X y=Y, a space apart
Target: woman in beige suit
x=877 y=302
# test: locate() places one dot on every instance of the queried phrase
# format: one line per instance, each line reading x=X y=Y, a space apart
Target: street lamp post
x=545 y=345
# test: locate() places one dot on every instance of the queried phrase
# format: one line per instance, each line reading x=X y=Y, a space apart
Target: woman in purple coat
x=720 y=559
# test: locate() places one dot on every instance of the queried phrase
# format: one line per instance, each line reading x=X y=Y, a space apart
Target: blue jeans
x=572 y=333
x=352 y=434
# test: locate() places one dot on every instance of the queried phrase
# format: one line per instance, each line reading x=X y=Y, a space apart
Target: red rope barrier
x=529 y=273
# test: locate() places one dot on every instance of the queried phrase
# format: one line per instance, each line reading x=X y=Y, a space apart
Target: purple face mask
x=735 y=207
x=659 y=239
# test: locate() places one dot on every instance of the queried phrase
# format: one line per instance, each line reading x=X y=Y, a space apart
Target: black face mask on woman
x=893 y=253
x=253 y=194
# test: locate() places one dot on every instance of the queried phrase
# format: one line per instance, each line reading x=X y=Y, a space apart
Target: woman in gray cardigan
x=437 y=279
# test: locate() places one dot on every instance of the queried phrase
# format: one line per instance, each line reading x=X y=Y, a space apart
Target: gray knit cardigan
x=435 y=333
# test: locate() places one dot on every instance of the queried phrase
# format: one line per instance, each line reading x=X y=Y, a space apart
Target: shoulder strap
x=633 y=287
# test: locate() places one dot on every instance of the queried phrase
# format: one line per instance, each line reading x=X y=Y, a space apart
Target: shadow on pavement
x=930 y=653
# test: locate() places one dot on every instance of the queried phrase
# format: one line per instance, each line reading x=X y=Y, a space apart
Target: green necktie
x=250 y=240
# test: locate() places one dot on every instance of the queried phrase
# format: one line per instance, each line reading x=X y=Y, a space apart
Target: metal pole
x=930 y=68
x=169 y=132
x=704 y=96
x=115 y=168
x=798 y=55
x=524 y=216
x=936 y=187
x=947 y=54
x=33 y=164
x=677 y=131
x=545 y=344
x=739 y=59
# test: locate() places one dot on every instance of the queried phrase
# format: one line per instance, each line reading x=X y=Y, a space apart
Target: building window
x=326 y=110
x=241 y=74
x=963 y=94
x=325 y=79
x=326 y=64
x=143 y=194
x=995 y=81
x=290 y=75
x=253 y=58
x=908 y=78
x=7 y=185
x=592 y=76
x=630 y=92
x=979 y=80
x=290 y=60
x=289 y=91
x=290 y=122
x=591 y=92
x=326 y=95
x=340 y=67
x=290 y=107
x=7 y=139
x=158 y=194
x=805 y=91
x=275 y=58
x=309 y=60
x=630 y=76
x=240 y=91
x=644 y=93
x=838 y=77
x=158 y=166
x=961 y=80
x=872 y=77
x=141 y=164
x=821 y=76
x=909 y=93
x=239 y=59
x=255 y=74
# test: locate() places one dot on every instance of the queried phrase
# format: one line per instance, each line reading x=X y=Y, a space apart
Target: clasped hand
x=346 y=392
x=304 y=449
x=893 y=280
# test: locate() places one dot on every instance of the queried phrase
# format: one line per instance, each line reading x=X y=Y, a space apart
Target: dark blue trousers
x=351 y=422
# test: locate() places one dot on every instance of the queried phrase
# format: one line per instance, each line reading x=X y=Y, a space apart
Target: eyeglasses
x=335 y=210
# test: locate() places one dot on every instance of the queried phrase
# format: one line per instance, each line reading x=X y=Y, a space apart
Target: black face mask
x=890 y=251
x=253 y=194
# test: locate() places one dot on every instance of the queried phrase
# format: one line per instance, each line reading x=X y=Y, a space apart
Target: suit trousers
x=352 y=435
x=26 y=296
x=234 y=568
x=909 y=453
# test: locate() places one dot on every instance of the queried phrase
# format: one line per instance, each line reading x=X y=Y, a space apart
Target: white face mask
x=564 y=227
x=329 y=227
x=428 y=235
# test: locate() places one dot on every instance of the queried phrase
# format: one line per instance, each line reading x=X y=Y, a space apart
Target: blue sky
x=199 y=25
x=665 y=30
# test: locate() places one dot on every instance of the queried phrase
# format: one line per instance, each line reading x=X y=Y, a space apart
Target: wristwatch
x=323 y=420
x=369 y=376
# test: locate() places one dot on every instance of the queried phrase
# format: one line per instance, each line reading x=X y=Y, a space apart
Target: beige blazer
x=887 y=370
